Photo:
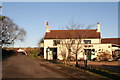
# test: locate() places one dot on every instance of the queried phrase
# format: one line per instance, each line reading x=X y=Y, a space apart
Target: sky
x=32 y=16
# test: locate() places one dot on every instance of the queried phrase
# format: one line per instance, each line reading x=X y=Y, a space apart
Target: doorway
x=88 y=53
x=54 y=53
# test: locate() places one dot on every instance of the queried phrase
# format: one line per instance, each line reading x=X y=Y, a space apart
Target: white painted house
x=90 y=40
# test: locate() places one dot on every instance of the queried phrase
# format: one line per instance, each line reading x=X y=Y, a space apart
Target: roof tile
x=111 y=40
x=68 y=34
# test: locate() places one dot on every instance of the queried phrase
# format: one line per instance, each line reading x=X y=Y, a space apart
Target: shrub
x=7 y=53
x=104 y=56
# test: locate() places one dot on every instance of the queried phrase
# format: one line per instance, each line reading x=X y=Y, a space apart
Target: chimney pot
x=46 y=23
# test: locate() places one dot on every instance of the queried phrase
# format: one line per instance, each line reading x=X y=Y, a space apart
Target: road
x=21 y=66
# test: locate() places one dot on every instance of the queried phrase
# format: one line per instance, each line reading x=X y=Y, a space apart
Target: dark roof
x=68 y=34
x=111 y=40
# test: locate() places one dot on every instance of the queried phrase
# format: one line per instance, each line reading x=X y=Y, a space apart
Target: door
x=54 y=53
x=88 y=53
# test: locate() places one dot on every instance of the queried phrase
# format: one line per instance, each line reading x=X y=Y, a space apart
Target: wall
x=98 y=48
x=48 y=43
x=94 y=42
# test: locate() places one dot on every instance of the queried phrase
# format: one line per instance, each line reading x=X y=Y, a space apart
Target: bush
x=7 y=53
x=104 y=56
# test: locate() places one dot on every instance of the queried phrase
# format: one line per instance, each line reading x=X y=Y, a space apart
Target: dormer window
x=87 y=41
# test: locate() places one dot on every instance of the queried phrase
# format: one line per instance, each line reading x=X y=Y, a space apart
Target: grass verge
x=105 y=74
x=96 y=72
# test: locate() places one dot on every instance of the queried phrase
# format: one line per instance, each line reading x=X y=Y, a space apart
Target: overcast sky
x=32 y=16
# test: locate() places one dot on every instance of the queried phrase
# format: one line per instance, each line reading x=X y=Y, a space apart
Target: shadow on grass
x=96 y=71
x=54 y=61
x=7 y=53
x=106 y=74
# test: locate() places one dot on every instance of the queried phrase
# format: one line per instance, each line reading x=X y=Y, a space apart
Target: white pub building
x=56 y=43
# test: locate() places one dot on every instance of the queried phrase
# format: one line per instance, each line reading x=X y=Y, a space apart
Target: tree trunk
x=85 y=64
x=76 y=65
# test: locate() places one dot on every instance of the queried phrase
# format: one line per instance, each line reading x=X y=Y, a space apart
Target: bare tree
x=73 y=41
x=41 y=42
x=10 y=31
x=63 y=54
x=41 y=47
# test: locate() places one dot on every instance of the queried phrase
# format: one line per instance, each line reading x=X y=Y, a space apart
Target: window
x=58 y=41
x=85 y=45
x=93 y=51
x=87 y=41
x=55 y=42
x=90 y=45
x=73 y=41
x=99 y=50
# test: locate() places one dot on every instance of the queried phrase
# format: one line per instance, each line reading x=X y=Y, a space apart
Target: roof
x=111 y=40
x=68 y=34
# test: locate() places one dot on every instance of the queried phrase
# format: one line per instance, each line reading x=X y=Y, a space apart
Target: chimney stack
x=47 y=27
x=98 y=27
x=46 y=23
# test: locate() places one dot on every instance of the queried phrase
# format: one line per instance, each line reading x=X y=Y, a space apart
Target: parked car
x=21 y=51
x=116 y=55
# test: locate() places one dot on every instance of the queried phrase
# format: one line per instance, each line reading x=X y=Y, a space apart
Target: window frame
x=87 y=41
x=55 y=42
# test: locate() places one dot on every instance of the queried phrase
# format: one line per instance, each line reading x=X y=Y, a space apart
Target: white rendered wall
x=47 y=43
x=95 y=42
x=103 y=47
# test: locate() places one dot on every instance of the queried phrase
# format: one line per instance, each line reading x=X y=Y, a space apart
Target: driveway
x=21 y=66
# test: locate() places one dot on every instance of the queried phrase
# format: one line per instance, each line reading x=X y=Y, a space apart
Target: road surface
x=21 y=66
